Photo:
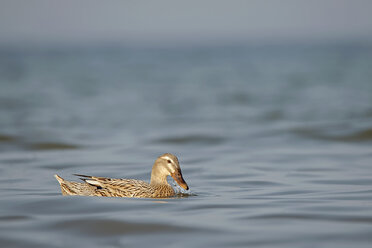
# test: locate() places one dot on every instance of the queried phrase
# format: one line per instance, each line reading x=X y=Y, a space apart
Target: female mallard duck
x=165 y=165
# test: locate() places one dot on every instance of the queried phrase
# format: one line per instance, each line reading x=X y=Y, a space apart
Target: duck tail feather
x=81 y=175
x=59 y=179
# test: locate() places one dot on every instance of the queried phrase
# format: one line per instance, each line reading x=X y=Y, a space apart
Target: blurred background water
x=274 y=138
x=275 y=141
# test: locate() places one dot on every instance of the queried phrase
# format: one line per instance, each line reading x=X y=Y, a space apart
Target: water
x=274 y=142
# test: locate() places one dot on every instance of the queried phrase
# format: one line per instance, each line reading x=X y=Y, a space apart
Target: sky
x=48 y=22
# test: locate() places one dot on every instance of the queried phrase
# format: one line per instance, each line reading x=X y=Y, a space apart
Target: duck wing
x=125 y=187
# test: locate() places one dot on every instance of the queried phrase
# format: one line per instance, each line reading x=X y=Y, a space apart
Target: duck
x=164 y=166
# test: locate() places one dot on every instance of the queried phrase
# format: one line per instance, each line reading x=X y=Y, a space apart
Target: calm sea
x=275 y=143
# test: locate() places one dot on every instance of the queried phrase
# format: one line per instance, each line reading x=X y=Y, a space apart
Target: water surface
x=274 y=142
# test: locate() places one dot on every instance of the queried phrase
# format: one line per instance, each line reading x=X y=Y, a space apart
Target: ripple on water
x=314 y=217
x=344 y=181
x=19 y=141
x=14 y=218
x=298 y=193
x=325 y=135
x=7 y=138
x=107 y=227
x=191 y=139
x=52 y=146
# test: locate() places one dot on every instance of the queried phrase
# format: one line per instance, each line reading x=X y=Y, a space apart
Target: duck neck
x=157 y=178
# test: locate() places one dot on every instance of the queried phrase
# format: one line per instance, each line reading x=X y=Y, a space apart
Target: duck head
x=167 y=165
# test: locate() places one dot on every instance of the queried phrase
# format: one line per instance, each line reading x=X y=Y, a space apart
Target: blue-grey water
x=275 y=143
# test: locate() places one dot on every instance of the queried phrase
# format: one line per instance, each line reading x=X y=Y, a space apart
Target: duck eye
x=169 y=161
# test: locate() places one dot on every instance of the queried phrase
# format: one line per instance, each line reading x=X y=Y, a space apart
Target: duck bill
x=177 y=176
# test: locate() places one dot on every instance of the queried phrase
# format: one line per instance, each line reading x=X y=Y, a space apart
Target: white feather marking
x=168 y=158
x=93 y=182
x=169 y=166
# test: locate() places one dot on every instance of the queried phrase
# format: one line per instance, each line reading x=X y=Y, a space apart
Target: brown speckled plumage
x=165 y=165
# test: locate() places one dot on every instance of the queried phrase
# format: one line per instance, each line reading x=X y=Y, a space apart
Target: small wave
x=7 y=138
x=14 y=218
x=358 y=136
x=237 y=98
x=344 y=182
x=107 y=227
x=185 y=195
x=22 y=142
x=190 y=139
x=52 y=146
x=315 y=217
